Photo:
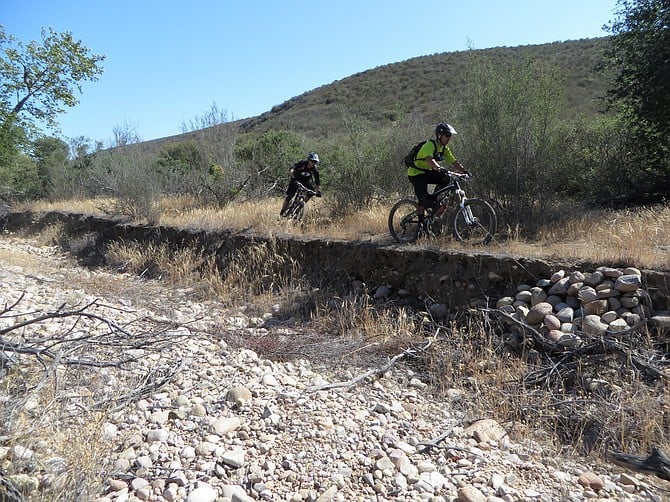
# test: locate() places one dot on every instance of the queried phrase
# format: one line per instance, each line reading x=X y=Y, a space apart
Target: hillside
x=426 y=83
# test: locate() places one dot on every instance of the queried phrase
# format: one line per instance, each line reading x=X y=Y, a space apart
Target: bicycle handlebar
x=454 y=174
x=308 y=190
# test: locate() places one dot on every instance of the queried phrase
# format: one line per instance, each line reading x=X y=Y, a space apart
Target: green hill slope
x=431 y=82
x=423 y=84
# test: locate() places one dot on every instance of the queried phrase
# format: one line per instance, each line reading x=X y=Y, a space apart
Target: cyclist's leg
x=290 y=192
x=439 y=179
x=420 y=184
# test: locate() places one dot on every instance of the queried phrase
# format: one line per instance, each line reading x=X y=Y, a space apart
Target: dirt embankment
x=449 y=277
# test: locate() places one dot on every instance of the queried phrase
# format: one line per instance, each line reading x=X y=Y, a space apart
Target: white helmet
x=313 y=156
x=444 y=128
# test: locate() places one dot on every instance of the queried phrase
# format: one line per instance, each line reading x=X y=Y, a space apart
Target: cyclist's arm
x=426 y=154
x=432 y=163
x=459 y=167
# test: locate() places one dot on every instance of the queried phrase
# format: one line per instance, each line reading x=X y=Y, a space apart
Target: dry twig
x=369 y=374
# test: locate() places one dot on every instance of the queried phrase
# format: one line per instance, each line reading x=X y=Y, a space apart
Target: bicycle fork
x=467 y=212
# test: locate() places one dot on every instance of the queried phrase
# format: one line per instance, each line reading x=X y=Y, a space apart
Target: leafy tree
x=640 y=50
x=509 y=122
x=180 y=157
x=19 y=178
x=38 y=80
x=48 y=153
x=269 y=156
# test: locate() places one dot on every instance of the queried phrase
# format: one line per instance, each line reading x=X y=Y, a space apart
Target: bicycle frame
x=455 y=188
x=302 y=192
x=297 y=205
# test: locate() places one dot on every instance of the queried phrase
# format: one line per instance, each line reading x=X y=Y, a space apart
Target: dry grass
x=640 y=236
x=44 y=409
x=596 y=405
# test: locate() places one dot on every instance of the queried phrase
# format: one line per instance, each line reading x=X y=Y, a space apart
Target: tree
x=38 y=80
x=125 y=134
x=512 y=115
x=640 y=51
x=49 y=153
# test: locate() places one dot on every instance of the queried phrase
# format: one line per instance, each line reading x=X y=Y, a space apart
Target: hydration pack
x=410 y=158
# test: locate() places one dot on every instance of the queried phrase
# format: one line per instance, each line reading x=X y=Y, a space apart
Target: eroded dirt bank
x=449 y=277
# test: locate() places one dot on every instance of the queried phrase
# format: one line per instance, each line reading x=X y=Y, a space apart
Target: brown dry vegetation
x=639 y=236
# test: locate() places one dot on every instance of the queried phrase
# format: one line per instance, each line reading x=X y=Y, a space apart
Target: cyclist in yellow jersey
x=427 y=170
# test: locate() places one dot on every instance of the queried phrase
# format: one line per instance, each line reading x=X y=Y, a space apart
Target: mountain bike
x=474 y=221
x=296 y=208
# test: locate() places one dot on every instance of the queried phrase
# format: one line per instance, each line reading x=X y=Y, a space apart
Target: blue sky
x=168 y=62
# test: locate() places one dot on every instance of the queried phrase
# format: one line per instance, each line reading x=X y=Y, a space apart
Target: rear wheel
x=404 y=222
x=475 y=222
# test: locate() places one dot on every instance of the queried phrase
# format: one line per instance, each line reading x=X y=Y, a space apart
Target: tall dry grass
x=45 y=409
x=640 y=236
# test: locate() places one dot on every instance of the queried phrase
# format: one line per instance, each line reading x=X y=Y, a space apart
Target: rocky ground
x=165 y=408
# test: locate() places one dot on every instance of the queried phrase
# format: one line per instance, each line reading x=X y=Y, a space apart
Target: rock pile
x=229 y=425
x=607 y=300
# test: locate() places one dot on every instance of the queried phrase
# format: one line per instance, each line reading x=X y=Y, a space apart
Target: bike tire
x=484 y=226
x=296 y=210
x=403 y=222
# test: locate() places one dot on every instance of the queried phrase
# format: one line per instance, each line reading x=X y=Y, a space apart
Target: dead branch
x=656 y=462
x=593 y=350
x=537 y=337
x=433 y=443
x=152 y=382
x=354 y=381
x=75 y=347
x=369 y=374
x=11 y=307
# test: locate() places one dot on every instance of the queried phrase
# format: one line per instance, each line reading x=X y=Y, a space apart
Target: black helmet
x=444 y=128
x=313 y=156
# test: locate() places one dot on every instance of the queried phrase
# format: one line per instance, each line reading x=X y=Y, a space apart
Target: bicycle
x=474 y=221
x=296 y=209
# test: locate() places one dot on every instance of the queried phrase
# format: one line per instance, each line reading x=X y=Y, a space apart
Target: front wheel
x=404 y=222
x=296 y=210
x=475 y=222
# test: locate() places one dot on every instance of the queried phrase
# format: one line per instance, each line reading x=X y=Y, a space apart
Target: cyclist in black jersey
x=303 y=172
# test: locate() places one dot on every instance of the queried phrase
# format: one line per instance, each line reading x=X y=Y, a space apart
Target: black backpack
x=410 y=158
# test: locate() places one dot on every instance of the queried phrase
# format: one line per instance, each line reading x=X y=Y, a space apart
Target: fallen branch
x=434 y=443
x=656 y=463
x=354 y=381
x=152 y=382
x=592 y=349
x=369 y=374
